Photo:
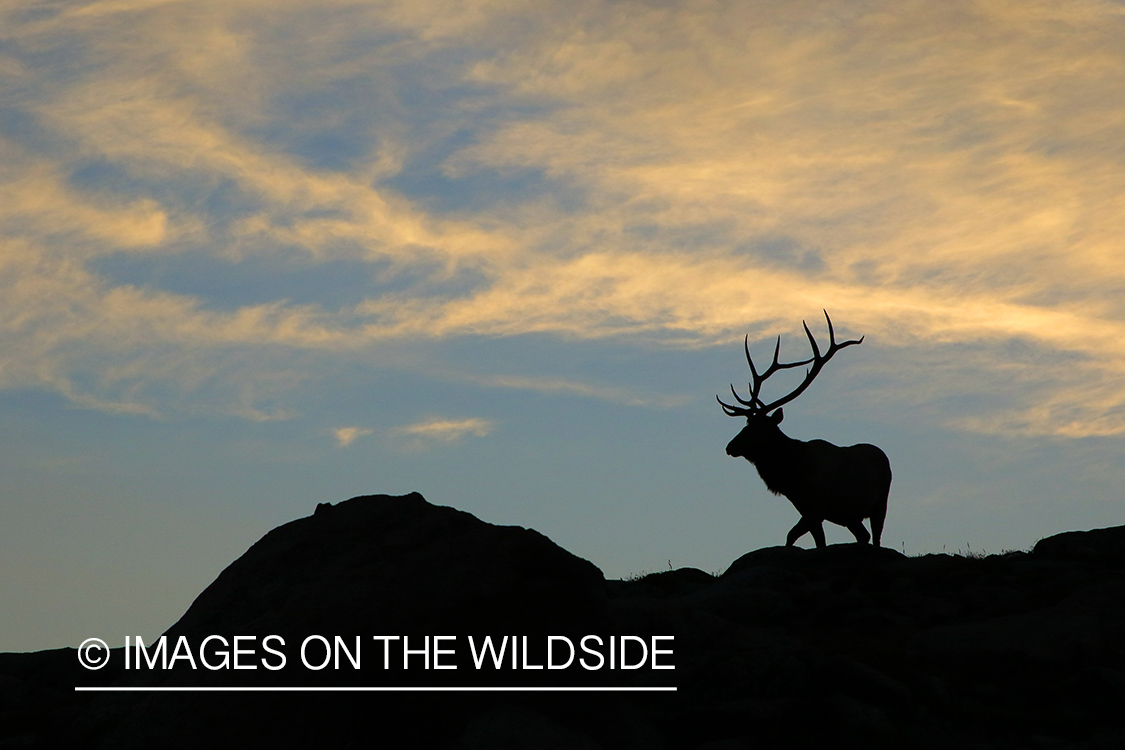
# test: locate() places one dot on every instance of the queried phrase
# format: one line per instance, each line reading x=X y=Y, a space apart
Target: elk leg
x=877 y=519
x=860 y=532
x=817 y=529
x=803 y=527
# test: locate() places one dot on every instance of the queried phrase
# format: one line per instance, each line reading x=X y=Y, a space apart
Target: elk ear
x=777 y=416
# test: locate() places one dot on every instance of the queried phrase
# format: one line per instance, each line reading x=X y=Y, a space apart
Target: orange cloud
x=935 y=175
x=448 y=430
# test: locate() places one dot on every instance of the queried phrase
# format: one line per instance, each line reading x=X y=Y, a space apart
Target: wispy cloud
x=447 y=430
x=345 y=436
x=936 y=175
x=559 y=385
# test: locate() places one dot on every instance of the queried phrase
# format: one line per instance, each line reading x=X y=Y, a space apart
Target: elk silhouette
x=825 y=482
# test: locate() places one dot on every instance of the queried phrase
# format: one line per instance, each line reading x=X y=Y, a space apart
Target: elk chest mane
x=785 y=464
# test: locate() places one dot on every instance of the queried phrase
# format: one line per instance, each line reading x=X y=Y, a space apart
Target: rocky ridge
x=787 y=648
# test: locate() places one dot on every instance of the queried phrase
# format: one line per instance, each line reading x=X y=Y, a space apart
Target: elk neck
x=779 y=461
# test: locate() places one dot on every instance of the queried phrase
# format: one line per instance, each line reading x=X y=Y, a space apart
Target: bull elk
x=825 y=482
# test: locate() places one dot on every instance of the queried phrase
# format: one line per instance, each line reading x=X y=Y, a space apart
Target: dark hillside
x=788 y=648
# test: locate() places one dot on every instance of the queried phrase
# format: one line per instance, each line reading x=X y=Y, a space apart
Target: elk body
x=825 y=482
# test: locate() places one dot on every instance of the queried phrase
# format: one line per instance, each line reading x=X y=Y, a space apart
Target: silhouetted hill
x=788 y=648
x=404 y=565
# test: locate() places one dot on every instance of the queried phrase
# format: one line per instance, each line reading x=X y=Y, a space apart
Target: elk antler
x=755 y=405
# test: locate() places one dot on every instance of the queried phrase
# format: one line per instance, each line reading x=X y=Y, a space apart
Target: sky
x=261 y=254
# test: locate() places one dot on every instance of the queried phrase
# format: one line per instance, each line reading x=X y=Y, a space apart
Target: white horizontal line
x=401 y=689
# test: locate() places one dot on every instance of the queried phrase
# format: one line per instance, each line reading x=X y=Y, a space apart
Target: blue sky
x=260 y=255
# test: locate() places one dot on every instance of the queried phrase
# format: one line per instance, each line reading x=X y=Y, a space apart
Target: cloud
x=604 y=393
x=946 y=178
x=448 y=430
x=345 y=436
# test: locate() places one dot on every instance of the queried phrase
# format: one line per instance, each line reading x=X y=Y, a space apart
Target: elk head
x=762 y=420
